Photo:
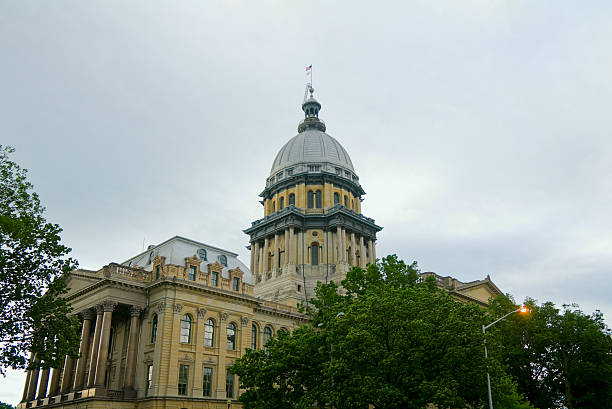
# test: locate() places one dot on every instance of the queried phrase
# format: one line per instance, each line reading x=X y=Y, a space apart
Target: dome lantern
x=311 y=108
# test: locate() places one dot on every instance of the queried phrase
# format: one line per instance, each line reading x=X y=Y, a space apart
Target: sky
x=480 y=129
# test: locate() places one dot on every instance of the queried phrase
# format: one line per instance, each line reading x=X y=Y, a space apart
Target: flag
x=309 y=67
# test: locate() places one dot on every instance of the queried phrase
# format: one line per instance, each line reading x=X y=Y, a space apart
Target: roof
x=311 y=146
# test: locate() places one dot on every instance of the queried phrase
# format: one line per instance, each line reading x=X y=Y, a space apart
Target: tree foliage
x=559 y=358
x=33 y=265
x=387 y=340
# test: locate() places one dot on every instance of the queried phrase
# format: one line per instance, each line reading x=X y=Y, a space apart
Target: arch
x=202 y=254
x=154 y=329
x=314 y=254
x=267 y=334
x=231 y=336
x=209 y=333
x=254 y=334
x=281 y=203
x=292 y=199
x=283 y=329
x=336 y=198
x=318 y=199
x=310 y=199
x=186 y=329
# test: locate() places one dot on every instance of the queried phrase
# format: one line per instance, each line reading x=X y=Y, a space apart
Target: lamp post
x=523 y=309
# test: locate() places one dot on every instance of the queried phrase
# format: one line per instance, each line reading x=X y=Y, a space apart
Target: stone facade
x=145 y=341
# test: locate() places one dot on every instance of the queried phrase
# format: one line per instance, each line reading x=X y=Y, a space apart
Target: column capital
x=87 y=315
x=108 y=306
x=135 y=311
x=178 y=308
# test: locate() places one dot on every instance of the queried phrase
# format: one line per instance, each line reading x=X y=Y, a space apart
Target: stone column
x=373 y=252
x=266 y=249
x=292 y=245
x=252 y=259
x=33 y=382
x=54 y=385
x=342 y=244
x=255 y=253
x=260 y=264
x=353 y=250
x=362 y=253
x=42 y=385
x=108 y=307
x=276 y=254
x=67 y=378
x=130 y=362
x=24 y=397
x=93 y=361
x=287 y=246
x=79 y=377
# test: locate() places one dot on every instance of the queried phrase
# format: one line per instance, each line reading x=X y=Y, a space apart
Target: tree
x=388 y=341
x=6 y=406
x=34 y=317
x=558 y=358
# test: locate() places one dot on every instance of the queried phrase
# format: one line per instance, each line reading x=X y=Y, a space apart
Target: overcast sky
x=480 y=130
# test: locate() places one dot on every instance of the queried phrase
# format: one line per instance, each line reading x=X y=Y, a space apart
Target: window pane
x=318 y=199
x=183 y=379
x=186 y=329
x=291 y=199
x=253 y=337
x=209 y=333
x=148 y=378
x=215 y=278
x=229 y=384
x=310 y=199
x=314 y=255
x=267 y=334
x=192 y=273
x=236 y=284
x=154 y=329
x=231 y=336
x=207 y=381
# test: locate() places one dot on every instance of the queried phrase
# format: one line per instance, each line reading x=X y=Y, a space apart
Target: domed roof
x=311 y=146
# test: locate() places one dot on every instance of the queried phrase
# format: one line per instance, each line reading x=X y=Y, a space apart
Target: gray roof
x=311 y=146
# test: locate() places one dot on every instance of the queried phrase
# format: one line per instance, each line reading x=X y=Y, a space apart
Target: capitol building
x=160 y=329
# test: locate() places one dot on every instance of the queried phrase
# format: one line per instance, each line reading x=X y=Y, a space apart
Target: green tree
x=34 y=317
x=389 y=341
x=559 y=358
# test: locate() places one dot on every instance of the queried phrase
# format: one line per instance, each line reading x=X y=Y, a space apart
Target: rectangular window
x=192 y=272
x=157 y=272
x=207 y=381
x=236 y=284
x=149 y=377
x=229 y=384
x=183 y=379
x=215 y=278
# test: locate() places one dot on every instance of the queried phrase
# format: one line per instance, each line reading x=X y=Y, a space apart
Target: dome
x=312 y=146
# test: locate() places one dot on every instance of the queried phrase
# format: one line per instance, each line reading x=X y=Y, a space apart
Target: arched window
x=291 y=199
x=336 y=198
x=186 y=329
x=209 y=333
x=345 y=201
x=281 y=203
x=223 y=260
x=254 y=334
x=154 y=329
x=202 y=254
x=273 y=206
x=310 y=199
x=318 y=197
x=314 y=254
x=267 y=334
x=231 y=336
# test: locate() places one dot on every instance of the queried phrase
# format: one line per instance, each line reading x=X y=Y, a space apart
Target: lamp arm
x=484 y=327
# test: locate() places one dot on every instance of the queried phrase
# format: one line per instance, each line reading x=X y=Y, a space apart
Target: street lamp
x=522 y=309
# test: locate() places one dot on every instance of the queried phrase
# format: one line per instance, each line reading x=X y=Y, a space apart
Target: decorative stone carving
x=244 y=321
x=108 y=305
x=161 y=306
x=178 y=308
x=223 y=316
x=135 y=311
x=99 y=309
x=201 y=313
x=88 y=315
